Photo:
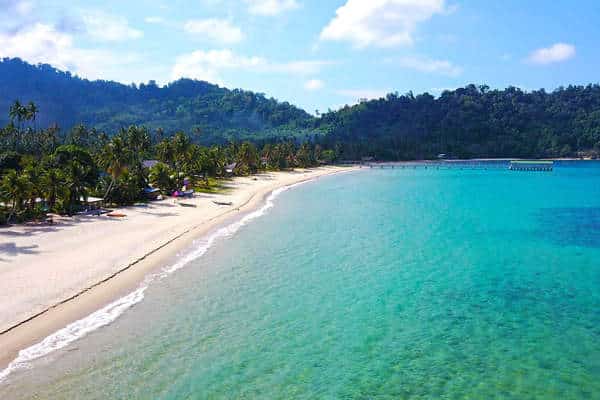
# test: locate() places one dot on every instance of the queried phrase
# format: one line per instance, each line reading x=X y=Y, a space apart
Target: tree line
x=43 y=171
x=473 y=121
x=184 y=105
x=468 y=122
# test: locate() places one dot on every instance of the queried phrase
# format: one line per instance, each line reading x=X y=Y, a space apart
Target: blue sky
x=318 y=54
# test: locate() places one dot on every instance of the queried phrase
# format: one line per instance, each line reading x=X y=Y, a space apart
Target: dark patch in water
x=571 y=226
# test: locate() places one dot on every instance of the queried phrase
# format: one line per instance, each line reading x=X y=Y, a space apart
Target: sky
x=317 y=54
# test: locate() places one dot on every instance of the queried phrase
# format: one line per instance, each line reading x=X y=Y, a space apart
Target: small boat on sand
x=223 y=203
x=116 y=214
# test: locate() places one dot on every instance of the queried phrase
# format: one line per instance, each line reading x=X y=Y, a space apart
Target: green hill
x=473 y=121
x=196 y=107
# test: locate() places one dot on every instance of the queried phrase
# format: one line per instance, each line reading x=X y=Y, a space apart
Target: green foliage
x=247 y=159
x=161 y=177
x=468 y=122
x=35 y=180
x=305 y=157
x=210 y=114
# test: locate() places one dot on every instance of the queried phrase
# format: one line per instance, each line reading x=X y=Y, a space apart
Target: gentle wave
x=111 y=312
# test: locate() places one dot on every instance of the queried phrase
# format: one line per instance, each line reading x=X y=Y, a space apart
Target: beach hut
x=92 y=203
x=149 y=163
x=367 y=159
x=230 y=168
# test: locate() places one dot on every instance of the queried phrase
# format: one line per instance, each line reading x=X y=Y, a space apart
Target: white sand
x=43 y=266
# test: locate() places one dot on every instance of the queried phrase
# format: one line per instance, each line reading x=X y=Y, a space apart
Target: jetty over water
x=531 y=165
x=483 y=165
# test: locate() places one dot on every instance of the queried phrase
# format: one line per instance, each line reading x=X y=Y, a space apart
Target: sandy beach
x=52 y=275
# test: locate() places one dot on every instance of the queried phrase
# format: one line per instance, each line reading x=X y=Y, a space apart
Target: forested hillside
x=474 y=121
x=200 y=108
x=469 y=122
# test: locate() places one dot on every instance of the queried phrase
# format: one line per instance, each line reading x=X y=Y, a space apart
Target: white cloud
x=107 y=27
x=206 y=65
x=154 y=20
x=23 y=7
x=313 y=84
x=15 y=14
x=219 y=30
x=308 y=67
x=382 y=23
x=441 y=67
x=440 y=90
x=209 y=65
x=362 y=94
x=270 y=7
x=42 y=43
x=558 y=52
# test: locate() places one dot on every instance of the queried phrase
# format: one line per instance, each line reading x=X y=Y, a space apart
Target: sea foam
x=112 y=311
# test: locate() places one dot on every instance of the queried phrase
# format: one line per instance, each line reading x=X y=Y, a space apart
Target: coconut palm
x=14 y=190
x=33 y=172
x=53 y=186
x=247 y=157
x=114 y=158
x=16 y=112
x=165 y=153
x=160 y=177
x=79 y=170
x=180 y=144
x=31 y=112
x=76 y=184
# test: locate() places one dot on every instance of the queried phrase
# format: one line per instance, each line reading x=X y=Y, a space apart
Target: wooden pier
x=543 y=166
x=438 y=166
x=546 y=166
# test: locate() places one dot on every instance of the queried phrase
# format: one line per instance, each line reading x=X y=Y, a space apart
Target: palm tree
x=180 y=144
x=76 y=184
x=31 y=112
x=33 y=173
x=114 y=158
x=218 y=159
x=160 y=177
x=79 y=170
x=138 y=143
x=52 y=184
x=247 y=157
x=17 y=112
x=165 y=153
x=14 y=189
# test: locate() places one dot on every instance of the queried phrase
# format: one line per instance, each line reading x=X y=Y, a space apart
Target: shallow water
x=417 y=284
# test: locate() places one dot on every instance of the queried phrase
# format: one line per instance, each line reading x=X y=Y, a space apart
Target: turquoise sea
x=376 y=284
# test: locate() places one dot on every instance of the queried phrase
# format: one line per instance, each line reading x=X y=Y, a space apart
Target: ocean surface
x=376 y=284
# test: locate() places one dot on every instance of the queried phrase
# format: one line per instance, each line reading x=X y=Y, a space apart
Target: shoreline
x=91 y=298
x=458 y=160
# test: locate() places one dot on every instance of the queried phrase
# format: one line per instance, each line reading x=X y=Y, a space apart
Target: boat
x=151 y=193
x=183 y=193
x=223 y=203
x=116 y=214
